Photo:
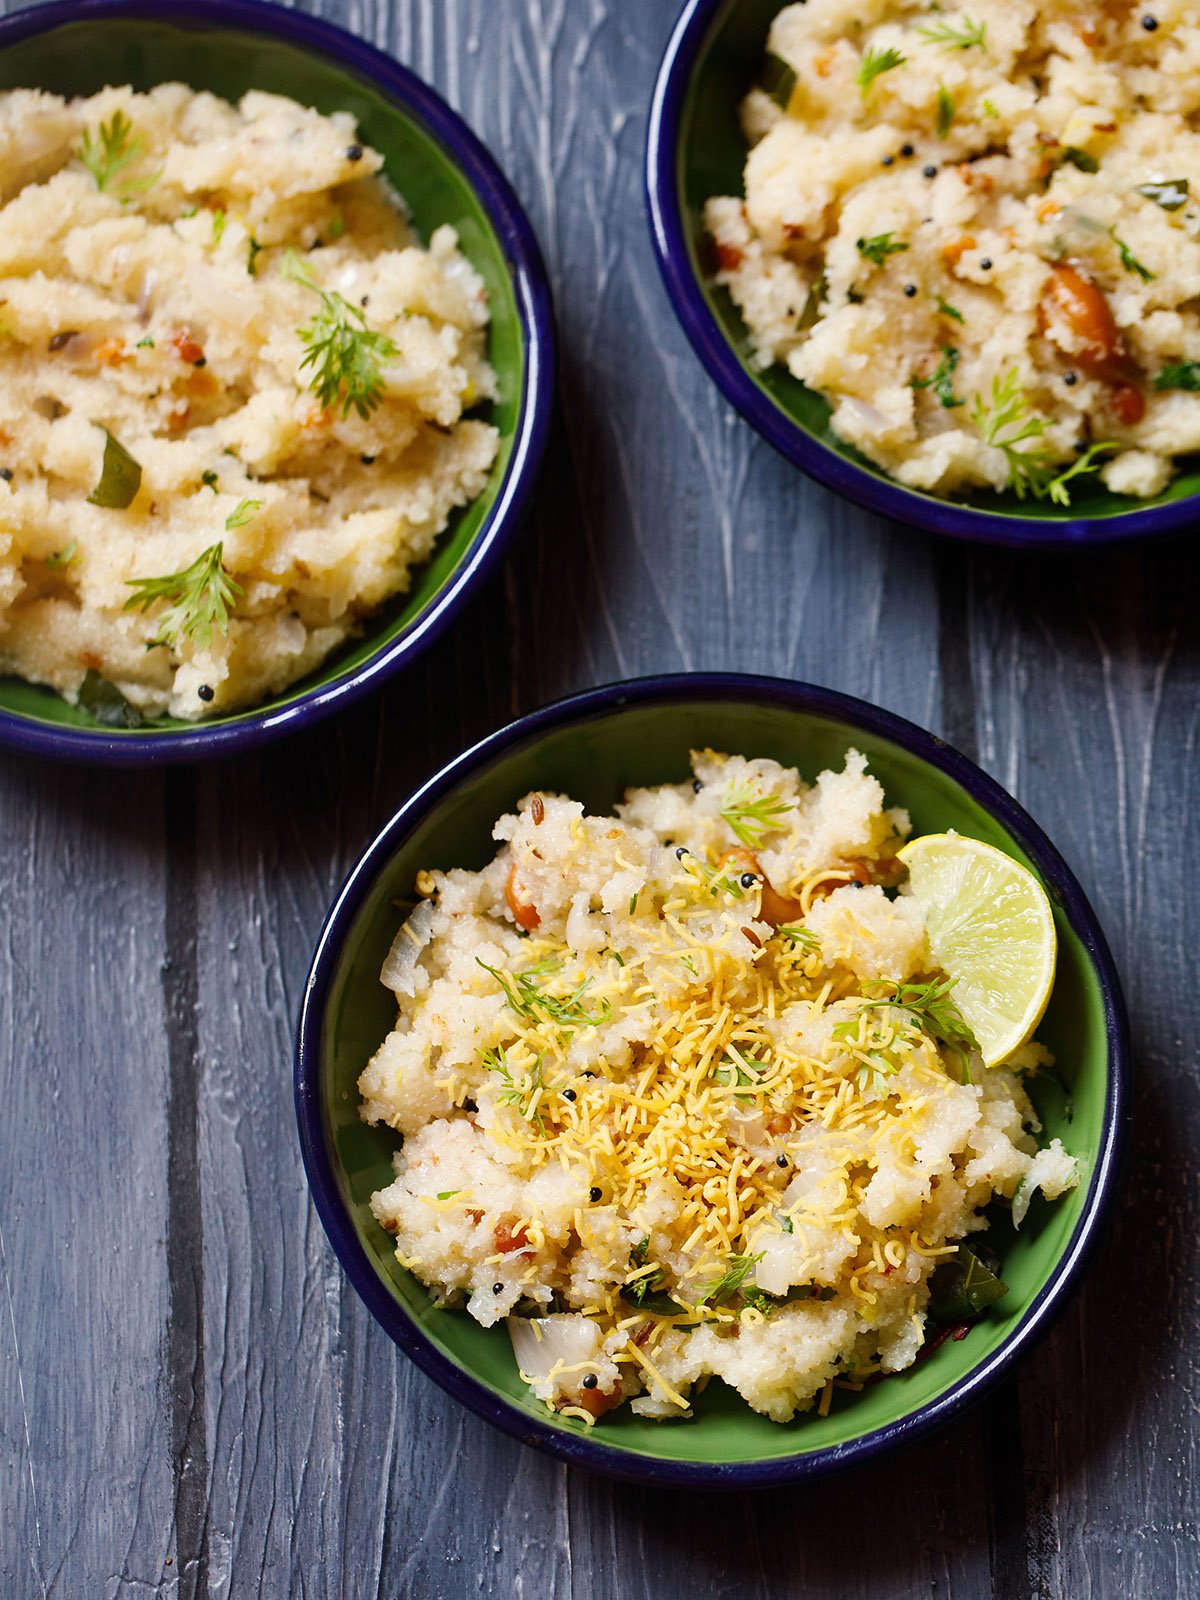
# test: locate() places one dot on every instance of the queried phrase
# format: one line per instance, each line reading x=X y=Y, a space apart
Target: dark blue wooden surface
x=192 y=1402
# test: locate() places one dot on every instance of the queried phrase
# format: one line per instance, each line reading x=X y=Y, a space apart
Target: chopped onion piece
x=539 y=1343
x=400 y=962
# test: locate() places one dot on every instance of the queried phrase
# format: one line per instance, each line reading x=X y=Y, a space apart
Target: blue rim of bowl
x=588 y=1451
x=861 y=485
x=535 y=310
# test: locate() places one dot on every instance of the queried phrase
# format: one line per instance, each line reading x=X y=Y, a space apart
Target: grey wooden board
x=192 y=1400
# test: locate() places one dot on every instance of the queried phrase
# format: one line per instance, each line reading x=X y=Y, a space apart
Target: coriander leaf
x=120 y=476
x=928 y=1006
x=65 y=556
x=107 y=155
x=796 y=934
x=1183 y=375
x=777 y=80
x=448 y=1194
x=254 y=251
x=949 y=310
x=1081 y=159
x=1087 y=462
x=524 y=1091
x=1006 y=422
x=942 y=380
x=209 y=480
x=526 y=996
x=730 y=1281
x=879 y=248
x=751 y=815
x=965 y=1284
x=1169 y=193
x=346 y=356
x=874 y=64
x=952 y=37
x=1128 y=260
x=244 y=512
x=988 y=109
x=735 y=1071
x=199 y=598
x=945 y=112
x=644 y=1292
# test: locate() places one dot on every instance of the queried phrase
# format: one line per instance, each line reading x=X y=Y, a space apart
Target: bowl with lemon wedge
x=721 y=922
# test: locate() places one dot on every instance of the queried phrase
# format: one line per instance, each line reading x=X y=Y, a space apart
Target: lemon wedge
x=991 y=929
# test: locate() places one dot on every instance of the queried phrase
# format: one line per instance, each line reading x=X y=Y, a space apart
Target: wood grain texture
x=184 y=1373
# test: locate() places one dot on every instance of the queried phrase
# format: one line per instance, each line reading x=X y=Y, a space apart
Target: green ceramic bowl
x=445 y=175
x=592 y=747
x=695 y=149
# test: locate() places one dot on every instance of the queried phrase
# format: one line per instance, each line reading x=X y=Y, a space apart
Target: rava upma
x=974 y=228
x=681 y=1096
x=233 y=394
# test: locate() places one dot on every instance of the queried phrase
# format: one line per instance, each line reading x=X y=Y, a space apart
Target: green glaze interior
x=80 y=58
x=711 y=157
x=594 y=762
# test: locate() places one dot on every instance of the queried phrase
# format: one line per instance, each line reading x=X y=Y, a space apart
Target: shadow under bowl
x=593 y=747
x=76 y=47
x=695 y=149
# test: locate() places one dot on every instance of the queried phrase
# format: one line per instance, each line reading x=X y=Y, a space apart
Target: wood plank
x=1088 y=679
x=86 y=1481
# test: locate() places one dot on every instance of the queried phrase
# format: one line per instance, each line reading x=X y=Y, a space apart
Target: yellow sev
x=701 y=998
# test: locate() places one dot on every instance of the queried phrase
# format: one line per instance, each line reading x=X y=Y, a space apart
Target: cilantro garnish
x=751 y=815
x=945 y=111
x=526 y=996
x=730 y=1281
x=1128 y=260
x=524 y=1090
x=952 y=37
x=879 y=248
x=110 y=153
x=1169 y=193
x=942 y=380
x=346 y=356
x=874 y=64
x=1183 y=375
x=1008 y=421
x=199 y=598
x=242 y=513
x=796 y=934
